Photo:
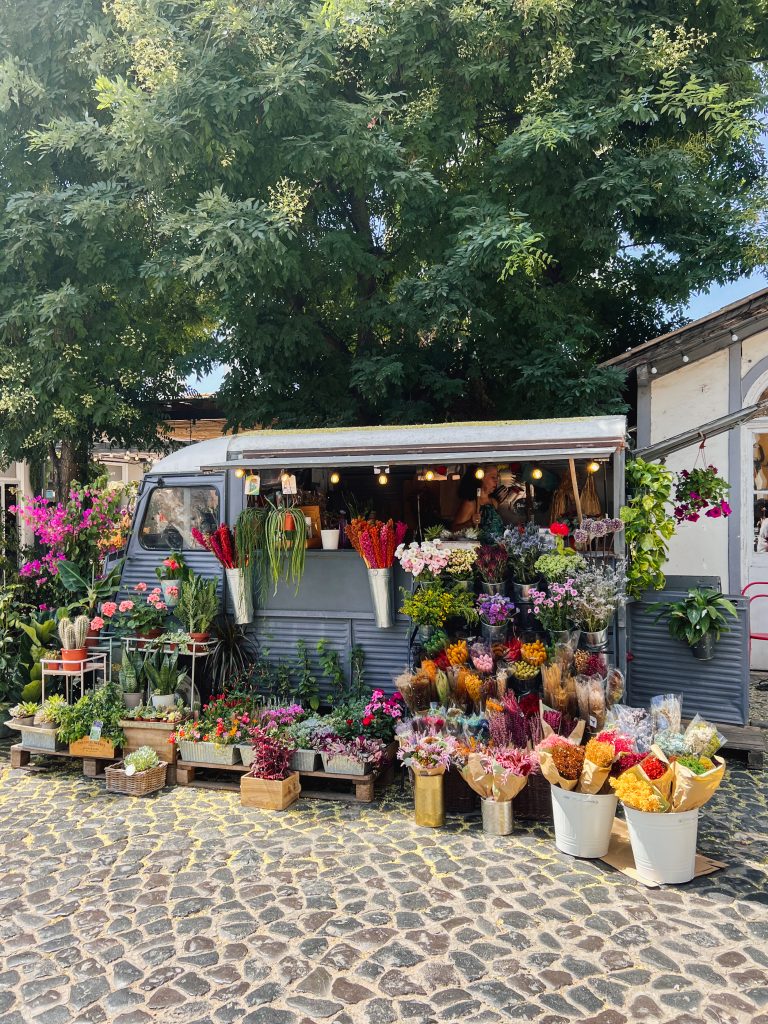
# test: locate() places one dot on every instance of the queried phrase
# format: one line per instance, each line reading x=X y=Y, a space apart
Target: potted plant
x=270 y=784
x=599 y=592
x=524 y=548
x=356 y=756
x=41 y=733
x=495 y=612
x=23 y=713
x=131 y=674
x=197 y=608
x=95 y=592
x=164 y=677
x=147 y=726
x=329 y=530
x=171 y=574
x=698 y=620
x=72 y=633
x=554 y=609
x=305 y=757
x=429 y=754
x=213 y=739
x=139 y=774
x=491 y=567
x=460 y=569
x=145 y=617
x=91 y=726
x=432 y=605
x=701 y=490
x=561 y=564
x=172 y=640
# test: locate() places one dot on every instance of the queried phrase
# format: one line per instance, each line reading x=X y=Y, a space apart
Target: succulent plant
x=142 y=759
x=25 y=709
x=72 y=632
x=51 y=710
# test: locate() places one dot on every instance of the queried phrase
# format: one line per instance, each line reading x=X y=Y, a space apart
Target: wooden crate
x=92 y=748
x=154 y=735
x=93 y=767
x=269 y=794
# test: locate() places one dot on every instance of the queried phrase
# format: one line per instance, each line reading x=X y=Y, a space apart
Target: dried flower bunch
x=568 y=759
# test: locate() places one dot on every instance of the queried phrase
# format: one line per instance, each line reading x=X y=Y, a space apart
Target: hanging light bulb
x=429 y=475
x=335 y=477
x=383 y=479
x=479 y=473
x=240 y=473
x=592 y=467
x=536 y=473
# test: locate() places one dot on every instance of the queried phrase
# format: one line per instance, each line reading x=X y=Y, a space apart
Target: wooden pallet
x=362 y=787
x=747 y=738
x=93 y=767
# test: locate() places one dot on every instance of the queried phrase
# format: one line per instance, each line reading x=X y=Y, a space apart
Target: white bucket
x=330 y=539
x=663 y=845
x=583 y=822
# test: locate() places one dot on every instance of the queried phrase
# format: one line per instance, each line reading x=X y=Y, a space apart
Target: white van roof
x=542 y=440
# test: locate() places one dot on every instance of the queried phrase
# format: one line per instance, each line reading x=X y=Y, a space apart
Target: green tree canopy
x=427 y=209
x=88 y=350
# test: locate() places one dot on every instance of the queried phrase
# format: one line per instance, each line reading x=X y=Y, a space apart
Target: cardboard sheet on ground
x=619 y=856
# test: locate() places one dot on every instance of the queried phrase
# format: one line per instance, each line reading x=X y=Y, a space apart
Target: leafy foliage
x=648 y=526
x=394 y=212
x=703 y=611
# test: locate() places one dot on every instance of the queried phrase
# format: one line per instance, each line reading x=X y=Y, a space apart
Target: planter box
x=305 y=761
x=92 y=748
x=140 y=784
x=246 y=753
x=149 y=734
x=208 y=753
x=268 y=794
x=340 y=765
x=36 y=738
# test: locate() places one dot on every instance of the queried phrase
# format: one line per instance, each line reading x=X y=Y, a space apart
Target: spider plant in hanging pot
x=698 y=620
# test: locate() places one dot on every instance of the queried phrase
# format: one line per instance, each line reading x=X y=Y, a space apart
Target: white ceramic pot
x=132 y=700
x=663 y=845
x=167 y=586
x=330 y=539
x=163 y=700
x=583 y=822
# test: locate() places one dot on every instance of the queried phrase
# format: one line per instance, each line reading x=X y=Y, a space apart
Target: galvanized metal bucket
x=241 y=598
x=380 y=581
x=497 y=817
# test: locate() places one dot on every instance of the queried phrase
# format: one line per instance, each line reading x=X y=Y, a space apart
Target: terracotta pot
x=74 y=657
x=200 y=638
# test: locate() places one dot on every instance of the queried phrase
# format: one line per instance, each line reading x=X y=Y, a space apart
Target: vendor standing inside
x=477 y=507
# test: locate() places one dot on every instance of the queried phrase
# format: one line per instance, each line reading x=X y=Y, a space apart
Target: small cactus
x=72 y=632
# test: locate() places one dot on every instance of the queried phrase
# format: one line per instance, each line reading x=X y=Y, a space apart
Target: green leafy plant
x=164 y=675
x=648 y=527
x=149 y=713
x=104 y=705
x=25 y=709
x=233 y=650
x=92 y=592
x=432 y=605
x=702 y=612
x=51 y=710
x=38 y=635
x=198 y=604
x=330 y=662
x=142 y=759
x=357 y=672
x=306 y=690
x=132 y=672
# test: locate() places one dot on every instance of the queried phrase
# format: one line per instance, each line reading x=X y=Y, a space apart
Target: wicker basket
x=246 y=753
x=338 y=764
x=304 y=761
x=207 y=752
x=458 y=795
x=534 y=801
x=140 y=784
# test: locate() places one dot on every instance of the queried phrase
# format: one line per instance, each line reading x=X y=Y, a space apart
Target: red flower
x=349 y=721
x=368 y=719
x=559 y=529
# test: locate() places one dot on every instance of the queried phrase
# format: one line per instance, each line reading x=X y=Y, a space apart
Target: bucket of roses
x=214 y=742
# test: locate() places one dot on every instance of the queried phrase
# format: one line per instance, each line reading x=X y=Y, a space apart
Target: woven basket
x=140 y=784
x=340 y=765
x=304 y=761
x=534 y=801
x=207 y=752
x=458 y=795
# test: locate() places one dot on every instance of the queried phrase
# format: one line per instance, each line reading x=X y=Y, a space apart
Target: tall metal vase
x=429 y=804
x=242 y=599
x=380 y=581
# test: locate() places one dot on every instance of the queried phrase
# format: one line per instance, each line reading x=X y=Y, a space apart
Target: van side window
x=171 y=514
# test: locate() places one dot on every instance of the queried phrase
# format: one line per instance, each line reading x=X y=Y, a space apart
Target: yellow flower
x=637 y=793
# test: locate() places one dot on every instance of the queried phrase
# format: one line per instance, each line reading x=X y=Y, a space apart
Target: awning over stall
x=542 y=440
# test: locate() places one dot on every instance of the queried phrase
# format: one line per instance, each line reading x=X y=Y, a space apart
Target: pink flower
x=156 y=590
x=109 y=608
x=140 y=587
x=172 y=591
x=126 y=606
x=153 y=598
x=161 y=607
x=97 y=623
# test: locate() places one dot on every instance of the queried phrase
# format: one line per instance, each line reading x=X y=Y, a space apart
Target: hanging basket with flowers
x=701 y=491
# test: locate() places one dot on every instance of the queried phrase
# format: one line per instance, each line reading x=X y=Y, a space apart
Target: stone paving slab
x=184 y=908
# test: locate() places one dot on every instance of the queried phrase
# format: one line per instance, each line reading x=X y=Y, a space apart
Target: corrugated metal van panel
x=386 y=651
x=717 y=690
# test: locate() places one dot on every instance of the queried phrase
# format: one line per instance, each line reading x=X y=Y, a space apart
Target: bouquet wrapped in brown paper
x=499 y=774
x=656 y=769
x=583 y=769
x=693 y=782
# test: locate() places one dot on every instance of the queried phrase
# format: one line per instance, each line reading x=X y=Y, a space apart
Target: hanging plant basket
x=700 y=491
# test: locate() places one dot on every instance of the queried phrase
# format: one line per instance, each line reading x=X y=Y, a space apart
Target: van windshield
x=172 y=513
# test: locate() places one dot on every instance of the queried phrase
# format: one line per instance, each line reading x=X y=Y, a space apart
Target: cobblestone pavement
x=758 y=698
x=185 y=907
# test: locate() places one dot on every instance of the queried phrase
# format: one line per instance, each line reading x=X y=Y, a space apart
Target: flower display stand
x=93 y=767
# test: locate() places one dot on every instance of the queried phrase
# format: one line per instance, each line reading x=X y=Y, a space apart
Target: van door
x=167 y=510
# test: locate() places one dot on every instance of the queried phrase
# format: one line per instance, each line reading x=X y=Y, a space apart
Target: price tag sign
x=288 y=482
x=130 y=769
x=253 y=484
x=95 y=733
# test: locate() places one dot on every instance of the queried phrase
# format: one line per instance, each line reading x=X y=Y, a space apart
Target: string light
x=383 y=479
x=479 y=473
x=335 y=477
x=593 y=467
x=240 y=473
x=536 y=473
x=429 y=475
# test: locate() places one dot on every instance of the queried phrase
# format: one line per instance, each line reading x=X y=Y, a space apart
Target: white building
x=710 y=368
